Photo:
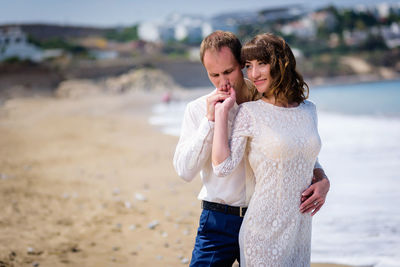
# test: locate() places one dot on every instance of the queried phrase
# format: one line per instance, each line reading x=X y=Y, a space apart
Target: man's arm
x=194 y=146
x=313 y=198
x=195 y=142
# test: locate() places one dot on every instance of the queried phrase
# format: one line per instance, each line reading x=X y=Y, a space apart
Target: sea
x=359 y=125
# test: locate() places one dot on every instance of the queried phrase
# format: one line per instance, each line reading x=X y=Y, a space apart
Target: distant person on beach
x=279 y=135
x=224 y=200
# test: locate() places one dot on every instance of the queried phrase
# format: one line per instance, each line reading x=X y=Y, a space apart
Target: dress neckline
x=282 y=108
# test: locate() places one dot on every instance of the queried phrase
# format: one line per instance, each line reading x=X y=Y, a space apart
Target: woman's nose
x=255 y=72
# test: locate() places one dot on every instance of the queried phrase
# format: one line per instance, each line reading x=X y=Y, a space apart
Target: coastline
x=348 y=80
x=88 y=182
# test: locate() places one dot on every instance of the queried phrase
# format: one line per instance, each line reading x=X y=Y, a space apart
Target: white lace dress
x=282 y=145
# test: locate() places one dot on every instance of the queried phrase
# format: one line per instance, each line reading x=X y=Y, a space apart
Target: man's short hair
x=217 y=40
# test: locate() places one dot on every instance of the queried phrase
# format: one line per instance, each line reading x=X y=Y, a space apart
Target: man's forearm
x=193 y=149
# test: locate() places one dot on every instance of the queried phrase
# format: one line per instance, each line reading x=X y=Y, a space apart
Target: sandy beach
x=88 y=182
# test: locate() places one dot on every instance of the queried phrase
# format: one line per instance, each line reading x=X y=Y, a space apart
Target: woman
x=279 y=135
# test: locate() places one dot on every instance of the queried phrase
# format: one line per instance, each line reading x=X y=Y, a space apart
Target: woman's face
x=259 y=73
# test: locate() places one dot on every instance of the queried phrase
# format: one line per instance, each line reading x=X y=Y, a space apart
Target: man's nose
x=223 y=81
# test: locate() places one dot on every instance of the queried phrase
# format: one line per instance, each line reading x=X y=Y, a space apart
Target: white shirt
x=193 y=155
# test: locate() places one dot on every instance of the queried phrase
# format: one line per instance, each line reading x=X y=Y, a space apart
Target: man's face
x=221 y=67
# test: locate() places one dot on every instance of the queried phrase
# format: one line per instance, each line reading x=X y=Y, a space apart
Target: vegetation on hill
x=123 y=34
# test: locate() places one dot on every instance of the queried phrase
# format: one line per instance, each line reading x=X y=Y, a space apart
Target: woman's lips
x=259 y=82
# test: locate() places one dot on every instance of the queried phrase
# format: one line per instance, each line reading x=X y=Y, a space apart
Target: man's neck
x=241 y=94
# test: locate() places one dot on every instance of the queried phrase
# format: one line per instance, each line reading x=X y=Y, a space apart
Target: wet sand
x=87 y=182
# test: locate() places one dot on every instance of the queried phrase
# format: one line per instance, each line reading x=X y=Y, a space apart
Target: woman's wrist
x=221 y=113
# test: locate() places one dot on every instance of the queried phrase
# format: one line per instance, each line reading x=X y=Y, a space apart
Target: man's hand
x=313 y=198
x=218 y=96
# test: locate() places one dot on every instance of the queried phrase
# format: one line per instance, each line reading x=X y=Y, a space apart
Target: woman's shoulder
x=250 y=104
x=309 y=104
x=246 y=109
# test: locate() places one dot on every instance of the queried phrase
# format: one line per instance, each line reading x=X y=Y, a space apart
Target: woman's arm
x=220 y=147
x=228 y=153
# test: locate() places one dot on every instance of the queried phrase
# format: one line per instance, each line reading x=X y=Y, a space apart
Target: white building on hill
x=175 y=27
x=13 y=43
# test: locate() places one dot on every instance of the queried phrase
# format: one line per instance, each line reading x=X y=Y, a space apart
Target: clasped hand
x=224 y=96
x=229 y=101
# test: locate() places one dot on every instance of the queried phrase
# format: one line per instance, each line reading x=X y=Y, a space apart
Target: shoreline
x=348 y=80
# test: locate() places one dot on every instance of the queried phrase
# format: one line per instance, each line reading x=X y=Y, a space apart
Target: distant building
x=149 y=31
x=175 y=27
x=391 y=35
x=190 y=28
x=356 y=37
x=324 y=18
x=383 y=10
x=303 y=28
x=13 y=43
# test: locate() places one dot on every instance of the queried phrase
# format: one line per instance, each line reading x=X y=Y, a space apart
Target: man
x=224 y=199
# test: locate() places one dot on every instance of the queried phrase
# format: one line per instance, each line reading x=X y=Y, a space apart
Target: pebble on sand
x=116 y=191
x=128 y=205
x=140 y=197
x=153 y=224
x=4 y=176
x=185 y=260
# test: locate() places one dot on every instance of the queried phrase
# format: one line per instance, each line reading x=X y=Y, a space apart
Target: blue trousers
x=217 y=240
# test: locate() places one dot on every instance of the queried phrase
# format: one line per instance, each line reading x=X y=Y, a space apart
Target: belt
x=238 y=211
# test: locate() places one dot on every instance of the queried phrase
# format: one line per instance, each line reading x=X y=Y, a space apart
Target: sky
x=106 y=13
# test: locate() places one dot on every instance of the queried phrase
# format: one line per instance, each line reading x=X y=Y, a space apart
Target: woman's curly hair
x=287 y=85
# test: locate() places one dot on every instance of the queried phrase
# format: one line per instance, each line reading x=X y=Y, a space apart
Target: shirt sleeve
x=194 y=145
x=317 y=165
x=241 y=131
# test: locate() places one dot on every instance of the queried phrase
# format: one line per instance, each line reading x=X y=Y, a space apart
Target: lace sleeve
x=241 y=131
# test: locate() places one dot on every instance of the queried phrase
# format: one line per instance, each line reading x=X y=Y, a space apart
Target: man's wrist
x=319 y=175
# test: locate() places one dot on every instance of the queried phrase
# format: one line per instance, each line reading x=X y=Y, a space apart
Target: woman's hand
x=220 y=147
x=218 y=96
x=224 y=106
